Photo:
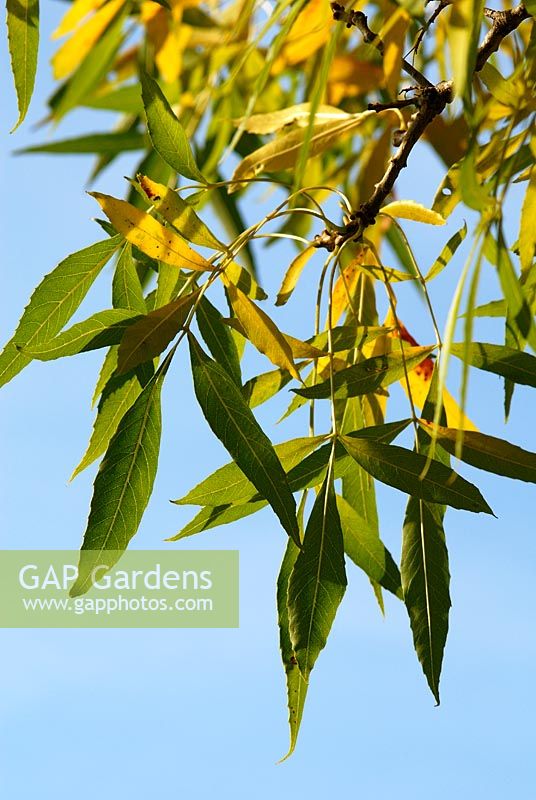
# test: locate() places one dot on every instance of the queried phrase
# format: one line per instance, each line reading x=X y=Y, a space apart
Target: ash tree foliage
x=326 y=104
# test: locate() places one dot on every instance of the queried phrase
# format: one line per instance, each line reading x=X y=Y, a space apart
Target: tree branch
x=430 y=101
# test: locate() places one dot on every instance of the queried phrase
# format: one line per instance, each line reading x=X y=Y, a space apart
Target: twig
x=430 y=101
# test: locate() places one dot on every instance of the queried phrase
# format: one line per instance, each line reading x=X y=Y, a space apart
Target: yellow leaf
x=76 y=48
x=179 y=213
x=283 y=151
x=527 y=228
x=351 y=77
x=294 y=115
x=261 y=331
x=393 y=36
x=149 y=235
x=345 y=288
x=292 y=275
x=76 y=13
x=244 y=280
x=311 y=30
x=408 y=209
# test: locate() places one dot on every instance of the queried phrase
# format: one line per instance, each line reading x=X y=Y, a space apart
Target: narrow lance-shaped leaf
x=123 y=485
x=167 y=134
x=233 y=422
x=54 y=302
x=318 y=580
x=425 y=582
x=98 y=143
x=103 y=329
x=505 y=361
x=23 y=38
x=447 y=253
x=369 y=375
x=150 y=335
x=296 y=685
x=149 y=235
x=408 y=209
x=486 y=452
x=402 y=468
x=126 y=287
x=219 y=339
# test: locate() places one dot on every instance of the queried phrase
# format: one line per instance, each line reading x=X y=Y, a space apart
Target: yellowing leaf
x=75 y=14
x=294 y=115
x=309 y=32
x=292 y=275
x=351 y=77
x=75 y=49
x=244 y=280
x=149 y=235
x=345 y=288
x=284 y=151
x=179 y=213
x=262 y=331
x=527 y=228
x=393 y=36
x=408 y=209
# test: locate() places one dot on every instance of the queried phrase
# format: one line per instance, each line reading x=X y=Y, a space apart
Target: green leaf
x=103 y=329
x=166 y=132
x=123 y=484
x=54 y=302
x=119 y=393
x=505 y=361
x=213 y=516
x=219 y=339
x=296 y=685
x=363 y=545
x=425 y=582
x=486 y=452
x=99 y=143
x=264 y=386
x=519 y=315
x=402 y=468
x=229 y=484
x=367 y=376
x=23 y=38
x=495 y=308
x=446 y=254
x=318 y=580
x=126 y=287
x=233 y=422
x=150 y=335
x=92 y=69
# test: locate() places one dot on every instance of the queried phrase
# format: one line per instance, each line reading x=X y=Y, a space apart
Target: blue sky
x=173 y=713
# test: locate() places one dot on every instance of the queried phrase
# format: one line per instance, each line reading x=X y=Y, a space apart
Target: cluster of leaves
x=196 y=85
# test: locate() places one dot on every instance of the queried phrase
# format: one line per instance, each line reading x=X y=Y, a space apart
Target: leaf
x=98 y=143
x=299 y=115
x=283 y=152
x=118 y=395
x=54 y=302
x=262 y=387
x=179 y=213
x=363 y=545
x=244 y=281
x=425 y=581
x=123 y=485
x=502 y=90
x=527 y=228
x=520 y=320
x=102 y=329
x=150 y=335
x=485 y=452
x=292 y=275
x=403 y=469
x=262 y=331
x=230 y=485
x=126 y=286
x=446 y=254
x=80 y=44
x=219 y=339
x=296 y=685
x=166 y=132
x=369 y=375
x=235 y=426
x=408 y=209
x=149 y=235
x=308 y=33
x=318 y=580
x=464 y=27
x=505 y=361
x=23 y=39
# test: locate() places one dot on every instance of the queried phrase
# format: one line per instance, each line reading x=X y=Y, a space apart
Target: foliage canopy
x=326 y=104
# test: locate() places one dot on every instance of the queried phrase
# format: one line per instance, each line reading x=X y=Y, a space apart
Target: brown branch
x=430 y=101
